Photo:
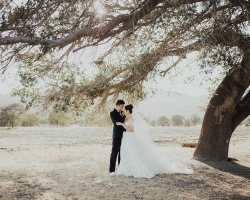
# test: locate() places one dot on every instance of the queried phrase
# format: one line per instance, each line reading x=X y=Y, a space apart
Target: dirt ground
x=72 y=163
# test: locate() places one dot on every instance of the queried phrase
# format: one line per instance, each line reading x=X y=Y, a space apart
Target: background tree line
x=176 y=120
x=16 y=115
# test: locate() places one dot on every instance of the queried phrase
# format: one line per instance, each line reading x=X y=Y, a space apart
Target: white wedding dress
x=140 y=160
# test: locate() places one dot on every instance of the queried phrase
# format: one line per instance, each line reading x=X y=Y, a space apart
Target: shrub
x=163 y=121
x=177 y=120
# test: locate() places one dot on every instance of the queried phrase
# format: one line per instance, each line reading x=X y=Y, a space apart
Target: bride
x=138 y=157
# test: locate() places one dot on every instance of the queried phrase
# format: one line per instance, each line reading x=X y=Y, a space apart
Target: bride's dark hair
x=129 y=107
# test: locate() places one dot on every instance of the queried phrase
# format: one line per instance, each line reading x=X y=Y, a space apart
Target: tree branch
x=128 y=21
x=183 y=51
x=172 y=66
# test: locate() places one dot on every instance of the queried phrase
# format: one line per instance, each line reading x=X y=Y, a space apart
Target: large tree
x=138 y=35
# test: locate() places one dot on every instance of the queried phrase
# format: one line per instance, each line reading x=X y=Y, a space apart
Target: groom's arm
x=115 y=119
x=129 y=128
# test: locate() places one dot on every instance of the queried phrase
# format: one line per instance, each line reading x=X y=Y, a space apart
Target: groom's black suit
x=117 y=138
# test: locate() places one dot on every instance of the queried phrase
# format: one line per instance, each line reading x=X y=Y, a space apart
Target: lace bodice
x=129 y=122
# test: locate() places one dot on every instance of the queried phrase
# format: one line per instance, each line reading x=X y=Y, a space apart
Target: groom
x=116 y=116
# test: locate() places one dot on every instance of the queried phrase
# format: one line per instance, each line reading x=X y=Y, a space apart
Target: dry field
x=72 y=163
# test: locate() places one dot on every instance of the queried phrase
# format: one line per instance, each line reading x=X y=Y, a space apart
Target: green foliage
x=219 y=57
x=163 y=121
x=30 y=120
x=195 y=119
x=96 y=119
x=43 y=120
x=60 y=118
x=70 y=89
x=187 y=123
x=248 y=122
x=177 y=120
x=133 y=53
x=11 y=114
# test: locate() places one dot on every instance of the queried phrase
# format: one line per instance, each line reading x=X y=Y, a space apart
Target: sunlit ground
x=73 y=162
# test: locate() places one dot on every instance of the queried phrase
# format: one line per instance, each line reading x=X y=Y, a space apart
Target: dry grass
x=72 y=163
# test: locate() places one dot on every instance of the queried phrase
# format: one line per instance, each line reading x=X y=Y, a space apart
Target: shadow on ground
x=230 y=167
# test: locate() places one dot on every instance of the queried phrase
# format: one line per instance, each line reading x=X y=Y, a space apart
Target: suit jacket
x=117 y=130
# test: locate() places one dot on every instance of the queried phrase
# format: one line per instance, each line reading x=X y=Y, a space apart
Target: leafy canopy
x=51 y=40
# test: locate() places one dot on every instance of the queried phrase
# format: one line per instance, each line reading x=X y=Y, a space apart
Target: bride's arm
x=131 y=129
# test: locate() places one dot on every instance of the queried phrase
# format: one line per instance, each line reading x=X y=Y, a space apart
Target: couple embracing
x=134 y=148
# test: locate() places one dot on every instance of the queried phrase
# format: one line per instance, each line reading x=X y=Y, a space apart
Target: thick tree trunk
x=224 y=113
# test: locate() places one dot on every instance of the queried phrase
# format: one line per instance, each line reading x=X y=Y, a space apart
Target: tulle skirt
x=140 y=160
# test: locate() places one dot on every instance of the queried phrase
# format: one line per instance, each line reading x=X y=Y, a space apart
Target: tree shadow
x=230 y=167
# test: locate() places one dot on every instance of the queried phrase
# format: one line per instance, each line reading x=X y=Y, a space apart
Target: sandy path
x=72 y=163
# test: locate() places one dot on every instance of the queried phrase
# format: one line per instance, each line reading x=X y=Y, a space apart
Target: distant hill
x=162 y=103
x=168 y=104
x=6 y=99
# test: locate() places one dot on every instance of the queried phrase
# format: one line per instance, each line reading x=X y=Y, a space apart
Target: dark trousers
x=116 y=145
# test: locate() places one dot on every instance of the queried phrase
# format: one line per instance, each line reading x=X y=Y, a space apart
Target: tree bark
x=224 y=113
